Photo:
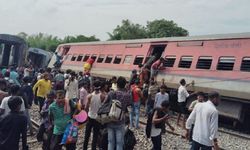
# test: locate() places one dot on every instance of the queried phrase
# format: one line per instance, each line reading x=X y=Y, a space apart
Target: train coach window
x=118 y=59
x=94 y=57
x=100 y=58
x=169 y=61
x=86 y=57
x=79 y=58
x=226 y=63
x=245 y=64
x=138 y=60
x=73 y=58
x=185 y=62
x=128 y=59
x=108 y=59
x=204 y=62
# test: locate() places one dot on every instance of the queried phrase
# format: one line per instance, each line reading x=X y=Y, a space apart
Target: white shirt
x=71 y=89
x=5 y=106
x=114 y=86
x=159 y=98
x=182 y=94
x=26 y=72
x=155 y=131
x=205 y=115
x=94 y=105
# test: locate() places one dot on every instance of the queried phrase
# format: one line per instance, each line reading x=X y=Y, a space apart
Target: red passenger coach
x=214 y=62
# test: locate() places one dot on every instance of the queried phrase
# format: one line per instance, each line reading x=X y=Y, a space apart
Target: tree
x=153 y=29
x=79 y=38
x=128 y=30
x=50 y=42
x=164 y=28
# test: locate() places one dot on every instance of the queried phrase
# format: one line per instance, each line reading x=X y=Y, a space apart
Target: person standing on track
x=152 y=91
x=60 y=114
x=160 y=117
x=71 y=87
x=182 y=97
x=44 y=87
x=161 y=96
x=94 y=103
x=205 y=116
x=12 y=126
x=200 y=99
x=136 y=103
x=4 y=108
x=116 y=130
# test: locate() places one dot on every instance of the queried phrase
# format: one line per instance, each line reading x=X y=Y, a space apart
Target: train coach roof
x=7 y=38
x=169 y=39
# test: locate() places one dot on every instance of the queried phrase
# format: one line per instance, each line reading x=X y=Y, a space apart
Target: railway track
x=35 y=124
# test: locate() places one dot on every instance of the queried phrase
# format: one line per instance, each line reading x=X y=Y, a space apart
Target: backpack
x=70 y=134
x=110 y=111
x=129 y=140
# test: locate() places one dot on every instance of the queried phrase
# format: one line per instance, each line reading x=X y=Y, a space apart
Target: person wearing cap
x=94 y=103
x=71 y=87
x=205 y=119
x=13 y=125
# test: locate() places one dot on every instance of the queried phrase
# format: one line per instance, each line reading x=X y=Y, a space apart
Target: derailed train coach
x=12 y=50
x=39 y=58
x=214 y=62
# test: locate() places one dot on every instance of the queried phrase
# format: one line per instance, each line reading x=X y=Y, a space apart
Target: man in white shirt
x=161 y=96
x=205 y=115
x=71 y=87
x=4 y=108
x=182 y=96
x=94 y=103
x=114 y=84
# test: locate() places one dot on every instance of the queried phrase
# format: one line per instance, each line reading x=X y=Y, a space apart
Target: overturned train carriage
x=12 y=50
x=214 y=62
x=39 y=58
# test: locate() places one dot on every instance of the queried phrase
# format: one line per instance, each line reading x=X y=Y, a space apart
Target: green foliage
x=153 y=29
x=164 y=28
x=49 y=42
x=128 y=30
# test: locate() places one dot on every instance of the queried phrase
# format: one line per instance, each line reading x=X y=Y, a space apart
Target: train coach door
x=154 y=53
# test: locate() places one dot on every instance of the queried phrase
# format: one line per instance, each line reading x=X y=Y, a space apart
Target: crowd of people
x=63 y=95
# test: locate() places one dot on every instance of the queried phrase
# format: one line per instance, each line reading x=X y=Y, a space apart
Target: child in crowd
x=60 y=113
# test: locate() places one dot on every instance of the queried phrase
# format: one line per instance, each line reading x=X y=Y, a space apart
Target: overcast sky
x=97 y=17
